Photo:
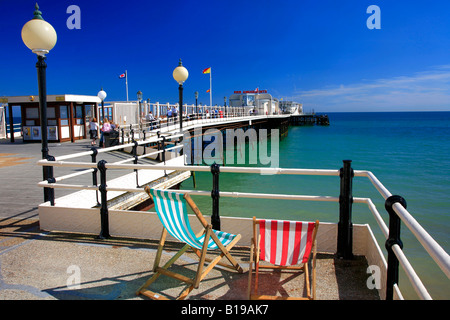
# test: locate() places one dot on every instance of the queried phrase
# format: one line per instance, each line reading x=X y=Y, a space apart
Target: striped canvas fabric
x=172 y=212
x=285 y=243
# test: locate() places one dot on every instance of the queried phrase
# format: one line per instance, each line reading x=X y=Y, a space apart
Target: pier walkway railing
x=395 y=205
x=148 y=128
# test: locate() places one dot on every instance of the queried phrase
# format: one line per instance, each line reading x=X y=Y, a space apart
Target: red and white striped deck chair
x=283 y=245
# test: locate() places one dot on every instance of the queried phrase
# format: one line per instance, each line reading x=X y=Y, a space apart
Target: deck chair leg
x=202 y=256
x=250 y=272
x=306 y=271
x=185 y=292
x=162 y=240
x=166 y=266
x=314 y=271
x=225 y=251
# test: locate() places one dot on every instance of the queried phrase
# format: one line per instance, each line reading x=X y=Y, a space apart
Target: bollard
x=215 y=218
x=393 y=238
x=345 y=226
x=104 y=219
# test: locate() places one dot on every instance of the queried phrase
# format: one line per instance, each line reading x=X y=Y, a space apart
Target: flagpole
x=210 y=88
x=126 y=82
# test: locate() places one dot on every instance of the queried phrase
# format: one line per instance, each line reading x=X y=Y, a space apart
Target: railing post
x=104 y=219
x=145 y=145
x=50 y=179
x=345 y=226
x=393 y=238
x=215 y=218
x=164 y=152
x=159 y=145
x=135 y=161
x=94 y=173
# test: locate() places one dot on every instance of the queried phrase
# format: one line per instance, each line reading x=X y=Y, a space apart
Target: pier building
x=255 y=101
x=67 y=116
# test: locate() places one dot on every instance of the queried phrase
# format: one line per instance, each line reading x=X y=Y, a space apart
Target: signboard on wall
x=52 y=133
x=32 y=133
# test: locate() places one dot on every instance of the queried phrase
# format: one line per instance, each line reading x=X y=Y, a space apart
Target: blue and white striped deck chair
x=172 y=212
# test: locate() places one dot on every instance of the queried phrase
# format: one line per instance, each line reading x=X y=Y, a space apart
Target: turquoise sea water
x=409 y=152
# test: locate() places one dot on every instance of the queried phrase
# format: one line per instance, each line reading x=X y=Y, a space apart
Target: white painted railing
x=436 y=252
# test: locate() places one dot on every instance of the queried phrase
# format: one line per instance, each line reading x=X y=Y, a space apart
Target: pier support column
x=345 y=226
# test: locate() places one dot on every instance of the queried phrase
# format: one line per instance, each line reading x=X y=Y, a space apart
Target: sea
x=409 y=152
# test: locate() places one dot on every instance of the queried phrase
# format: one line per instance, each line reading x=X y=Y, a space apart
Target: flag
x=208 y=90
x=207 y=70
x=123 y=75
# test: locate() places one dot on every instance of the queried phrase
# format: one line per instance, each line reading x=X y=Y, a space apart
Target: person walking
x=93 y=131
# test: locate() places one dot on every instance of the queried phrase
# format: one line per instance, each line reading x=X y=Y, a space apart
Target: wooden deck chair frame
x=255 y=259
x=201 y=270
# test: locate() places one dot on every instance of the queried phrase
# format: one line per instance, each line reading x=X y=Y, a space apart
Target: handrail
x=257 y=170
x=131 y=144
x=437 y=253
x=431 y=246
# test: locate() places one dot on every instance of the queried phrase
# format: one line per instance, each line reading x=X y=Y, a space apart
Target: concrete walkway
x=62 y=266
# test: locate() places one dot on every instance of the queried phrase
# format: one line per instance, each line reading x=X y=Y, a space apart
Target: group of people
x=172 y=112
x=107 y=127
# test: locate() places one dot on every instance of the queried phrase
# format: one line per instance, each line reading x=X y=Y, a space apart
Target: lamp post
x=40 y=37
x=102 y=95
x=180 y=74
x=196 y=99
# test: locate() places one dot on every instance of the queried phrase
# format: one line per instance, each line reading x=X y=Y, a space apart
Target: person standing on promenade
x=169 y=115
x=106 y=128
x=93 y=130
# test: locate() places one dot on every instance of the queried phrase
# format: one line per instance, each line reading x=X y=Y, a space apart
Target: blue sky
x=319 y=53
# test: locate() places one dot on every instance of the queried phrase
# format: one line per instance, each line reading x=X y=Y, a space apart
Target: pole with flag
x=208 y=70
x=125 y=75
